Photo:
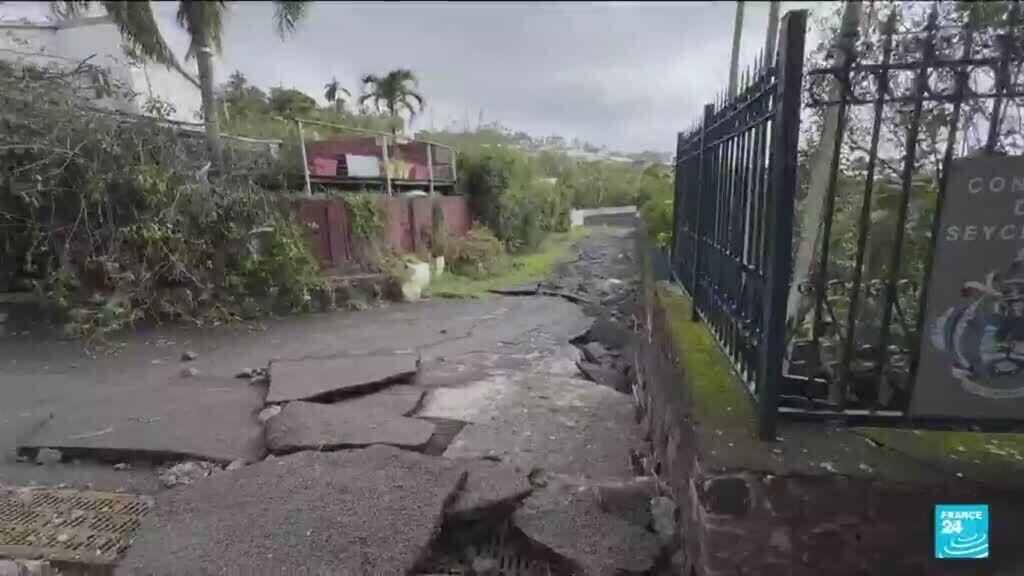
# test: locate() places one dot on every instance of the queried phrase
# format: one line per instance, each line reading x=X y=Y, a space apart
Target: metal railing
x=813 y=273
x=735 y=183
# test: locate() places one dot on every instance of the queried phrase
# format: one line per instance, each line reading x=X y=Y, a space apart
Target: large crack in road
x=498 y=384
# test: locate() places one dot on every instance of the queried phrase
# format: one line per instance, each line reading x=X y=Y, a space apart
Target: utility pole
x=773 y=32
x=737 y=34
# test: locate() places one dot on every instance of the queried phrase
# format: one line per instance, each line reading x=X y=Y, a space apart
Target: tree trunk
x=772 y=34
x=204 y=62
x=737 y=35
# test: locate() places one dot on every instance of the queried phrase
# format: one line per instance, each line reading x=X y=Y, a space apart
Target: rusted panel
x=456 y=215
x=422 y=224
x=313 y=215
x=340 y=233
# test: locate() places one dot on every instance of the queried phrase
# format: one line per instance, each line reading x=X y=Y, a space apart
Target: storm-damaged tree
x=392 y=93
x=204 y=23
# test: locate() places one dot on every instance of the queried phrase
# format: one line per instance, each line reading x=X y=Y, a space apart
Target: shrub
x=519 y=220
x=112 y=219
x=486 y=175
x=656 y=213
x=477 y=255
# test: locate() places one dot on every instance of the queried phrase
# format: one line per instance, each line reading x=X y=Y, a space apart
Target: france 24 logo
x=961 y=531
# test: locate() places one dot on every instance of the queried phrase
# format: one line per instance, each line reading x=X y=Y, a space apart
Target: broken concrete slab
x=605 y=376
x=372 y=511
x=595 y=352
x=608 y=333
x=202 y=419
x=314 y=378
x=312 y=426
x=529 y=289
x=568 y=521
x=563 y=425
x=630 y=500
x=490 y=486
x=398 y=400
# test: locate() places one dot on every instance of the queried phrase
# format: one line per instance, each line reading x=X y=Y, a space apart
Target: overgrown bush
x=477 y=255
x=656 y=213
x=112 y=219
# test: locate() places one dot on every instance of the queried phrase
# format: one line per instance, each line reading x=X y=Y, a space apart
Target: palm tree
x=203 y=21
x=333 y=91
x=393 y=92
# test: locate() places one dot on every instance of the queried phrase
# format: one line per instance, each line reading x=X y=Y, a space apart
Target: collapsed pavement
x=495 y=389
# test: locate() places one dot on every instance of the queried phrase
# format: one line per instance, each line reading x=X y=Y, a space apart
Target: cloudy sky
x=626 y=75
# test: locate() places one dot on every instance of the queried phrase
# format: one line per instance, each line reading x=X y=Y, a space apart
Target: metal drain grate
x=510 y=553
x=68 y=525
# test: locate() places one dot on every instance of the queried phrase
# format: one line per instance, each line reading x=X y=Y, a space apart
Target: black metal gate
x=827 y=320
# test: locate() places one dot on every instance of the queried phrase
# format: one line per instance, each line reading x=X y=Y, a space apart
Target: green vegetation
x=656 y=214
x=110 y=221
x=716 y=393
x=203 y=21
x=520 y=269
x=392 y=93
x=478 y=255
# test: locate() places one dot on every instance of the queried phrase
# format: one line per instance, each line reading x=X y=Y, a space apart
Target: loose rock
x=122 y=466
x=189 y=372
x=48 y=456
x=594 y=352
x=663 y=513
x=605 y=376
x=189 y=356
x=185 y=473
x=236 y=464
x=628 y=500
x=268 y=413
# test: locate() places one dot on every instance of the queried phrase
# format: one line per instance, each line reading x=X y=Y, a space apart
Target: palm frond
x=138 y=27
x=69 y=9
x=415 y=96
x=287 y=14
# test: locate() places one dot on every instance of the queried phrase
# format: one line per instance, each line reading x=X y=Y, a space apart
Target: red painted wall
x=407 y=225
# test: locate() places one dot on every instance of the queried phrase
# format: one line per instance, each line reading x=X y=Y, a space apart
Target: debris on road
x=189 y=356
x=629 y=500
x=490 y=489
x=268 y=413
x=605 y=376
x=48 y=456
x=189 y=372
x=569 y=521
x=185 y=473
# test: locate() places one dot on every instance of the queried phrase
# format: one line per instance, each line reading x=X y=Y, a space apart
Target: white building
x=68 y=43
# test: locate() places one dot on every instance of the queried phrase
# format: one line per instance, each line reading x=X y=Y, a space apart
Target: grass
x=718 y=396
x=523 y=268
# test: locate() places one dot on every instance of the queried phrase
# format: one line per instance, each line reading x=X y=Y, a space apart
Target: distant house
x=97 y=41
x=359 y=161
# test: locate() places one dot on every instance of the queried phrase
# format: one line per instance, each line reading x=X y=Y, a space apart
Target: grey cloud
x=628 y=75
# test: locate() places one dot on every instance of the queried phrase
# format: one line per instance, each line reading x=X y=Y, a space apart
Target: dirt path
x=519 y=411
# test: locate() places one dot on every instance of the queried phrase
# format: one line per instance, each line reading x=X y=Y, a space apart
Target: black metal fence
x=808 y=254
x=735 y=183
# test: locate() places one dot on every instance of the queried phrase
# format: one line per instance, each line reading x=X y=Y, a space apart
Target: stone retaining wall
x=834 y=503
